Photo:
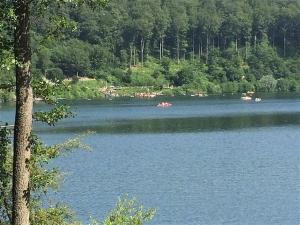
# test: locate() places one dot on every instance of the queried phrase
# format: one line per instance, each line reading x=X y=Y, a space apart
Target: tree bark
x=177 y=48
x=134 y=56
x=23 y=118
x=284 y=44
x=207 y=48
x=160 y=48
x=246 y=50
x=130 y=60
x=273 y=38
x=193 y=45
x=201 y=48
x=142 y=51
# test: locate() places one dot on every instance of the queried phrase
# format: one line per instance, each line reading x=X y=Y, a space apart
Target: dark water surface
x=203 y=161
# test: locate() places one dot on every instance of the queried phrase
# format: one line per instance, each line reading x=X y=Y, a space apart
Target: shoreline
x=148 y=96
x=81 y=91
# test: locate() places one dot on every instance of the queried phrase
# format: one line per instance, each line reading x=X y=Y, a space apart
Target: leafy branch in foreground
x=44 y=178
x=127 y=212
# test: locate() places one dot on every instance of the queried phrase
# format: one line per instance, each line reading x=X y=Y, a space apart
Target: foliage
x=267 y=84
x=230 y=87
x=126 y=212
x=5 y=176
x=54 y=115
x=234 y=41
x=42 y=179
x=72 y=58
x=54 y=74
x=82 y=89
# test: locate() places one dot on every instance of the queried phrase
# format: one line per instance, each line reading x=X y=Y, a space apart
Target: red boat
x=164 y=104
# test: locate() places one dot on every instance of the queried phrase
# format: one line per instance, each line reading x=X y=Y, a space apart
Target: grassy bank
x=82 y=89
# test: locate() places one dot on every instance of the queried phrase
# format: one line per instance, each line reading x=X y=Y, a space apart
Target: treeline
x=229 y=43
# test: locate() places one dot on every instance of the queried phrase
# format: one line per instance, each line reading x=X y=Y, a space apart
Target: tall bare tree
x=24 y=102
x=23 y=118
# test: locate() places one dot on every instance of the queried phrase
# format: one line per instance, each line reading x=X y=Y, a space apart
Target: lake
x=203 y=161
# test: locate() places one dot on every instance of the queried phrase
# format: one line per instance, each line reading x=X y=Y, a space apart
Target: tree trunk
x=134 y=55
x=273 y=38
x=193 y=45
x=201 y=47
x=236 y=44
x=23 y=118
x=177 y=48
x=142 y=51
x=160 y=48
x=131 y=53
x=255 y=41
x=199 y=50
x=207 y=43
x=284 y=44
x=246 y=50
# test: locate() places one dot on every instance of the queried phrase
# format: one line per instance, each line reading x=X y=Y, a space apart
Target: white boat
x=257 y=99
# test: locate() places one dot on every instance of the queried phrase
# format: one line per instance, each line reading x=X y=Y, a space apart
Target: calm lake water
x=203 y=161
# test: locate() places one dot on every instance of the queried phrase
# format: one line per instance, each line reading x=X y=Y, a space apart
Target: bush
x=6 y=96
x=121 y=75
x=127 y=212
x=294 y=85
x=230 y=87
x=73 y=58
x=165 y=63
x=245 y=86
x=267 y=84
x=283 y=85
x=184 y=76
x=140 y=79
x=214 y=88
x=55 y=74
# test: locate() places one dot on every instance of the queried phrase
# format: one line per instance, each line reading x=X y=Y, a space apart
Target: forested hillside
x=209 y=45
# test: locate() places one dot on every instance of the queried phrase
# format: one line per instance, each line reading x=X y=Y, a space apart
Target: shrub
x=127 y=212
x=121 y=75
x=230 y=87
x=267 y=83
x=283 y=85
x=184 y=76
x=245 y=86
x=140 y=79
x=55 y=74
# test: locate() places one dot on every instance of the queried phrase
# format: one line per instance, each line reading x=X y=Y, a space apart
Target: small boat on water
x=246 y=98
x=164 y=104
x=257 y=100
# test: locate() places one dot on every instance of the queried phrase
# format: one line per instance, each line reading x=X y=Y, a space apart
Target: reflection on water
x=189 y=124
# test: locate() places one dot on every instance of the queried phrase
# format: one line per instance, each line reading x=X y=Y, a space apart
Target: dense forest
x=213 y=46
